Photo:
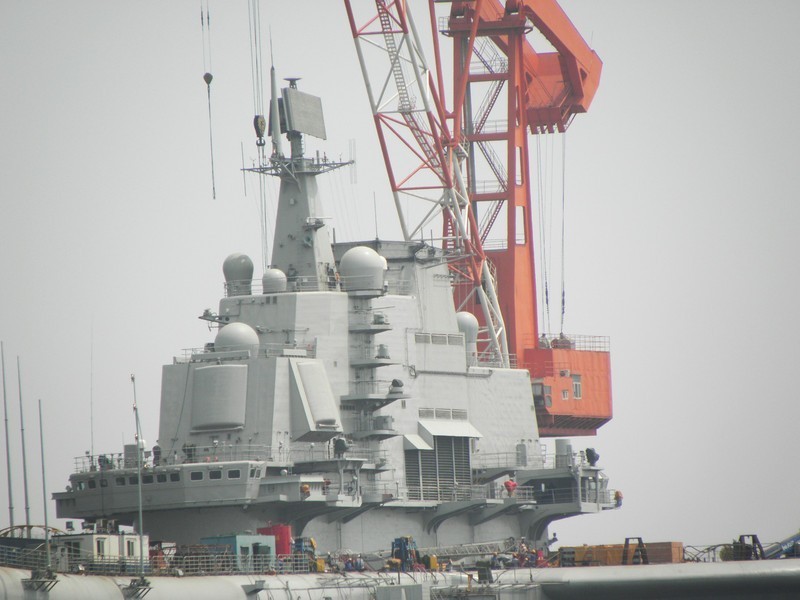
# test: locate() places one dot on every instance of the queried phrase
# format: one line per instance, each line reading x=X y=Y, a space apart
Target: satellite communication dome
x=362 y=268
x=237 y=267
x=273 y=280
x=468 y=325
x=238 y=271
x=236 y=336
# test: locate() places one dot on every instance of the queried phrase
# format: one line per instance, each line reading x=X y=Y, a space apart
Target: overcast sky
x=682 y=194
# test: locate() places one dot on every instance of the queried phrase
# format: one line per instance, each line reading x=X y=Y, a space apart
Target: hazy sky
x=682 y=195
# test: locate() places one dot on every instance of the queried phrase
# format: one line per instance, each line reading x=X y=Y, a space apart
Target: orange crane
x=524 y=92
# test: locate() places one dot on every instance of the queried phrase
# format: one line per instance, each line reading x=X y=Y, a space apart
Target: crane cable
x=545 y=179
x=256 y=76
x=205 y=26
x=563 y=225
x=543 y=239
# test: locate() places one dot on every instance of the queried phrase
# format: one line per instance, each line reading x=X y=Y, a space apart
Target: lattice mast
x=422 y=153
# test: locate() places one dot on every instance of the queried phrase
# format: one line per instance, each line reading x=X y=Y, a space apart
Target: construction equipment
x=639 y=552
x=404 y=550
x=436 y=155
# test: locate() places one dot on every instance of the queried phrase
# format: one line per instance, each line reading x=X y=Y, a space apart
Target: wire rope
x=563 y=226
x=256 y=76
x=543 y=238
x=205 y=27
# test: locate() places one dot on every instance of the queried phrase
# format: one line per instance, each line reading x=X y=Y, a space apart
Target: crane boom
x=421 y=153
x=435 y=155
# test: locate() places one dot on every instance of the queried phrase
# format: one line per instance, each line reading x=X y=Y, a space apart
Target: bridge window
x=215 y=475
x=174 y=477
x=196 y=476
x=161 y=478
x=234 y=474
x=576 y=386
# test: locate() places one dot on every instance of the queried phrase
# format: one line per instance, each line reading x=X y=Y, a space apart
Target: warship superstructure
x=344 y=394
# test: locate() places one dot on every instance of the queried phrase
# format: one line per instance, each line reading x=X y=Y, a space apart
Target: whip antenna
x=8 y=445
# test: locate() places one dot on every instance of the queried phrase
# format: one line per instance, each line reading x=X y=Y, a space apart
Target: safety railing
x=488 y=359
x=511 y=460
x=201 y=560
x=311 y=452
x=188 y=454
x=309 y=283
x=448 y=492
x=587 y=343
x=268 y=350
x=281 y=454
x=371 y=386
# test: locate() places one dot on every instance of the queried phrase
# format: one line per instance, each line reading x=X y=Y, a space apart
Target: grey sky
x=682 y=208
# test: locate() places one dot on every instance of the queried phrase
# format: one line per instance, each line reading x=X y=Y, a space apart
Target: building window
x=234 y=474
x=576 y=386
x=215 y=475
x=196 y=476
x=565 y=394
x=101 y=546
x=131 y=548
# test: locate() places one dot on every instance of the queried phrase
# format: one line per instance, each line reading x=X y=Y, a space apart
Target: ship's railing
x=456 y=493
x=282 y=454
x=318 y=452
x=308 y=283
x=368 y=353
x=511 y=460
x=497 y=491
x=363 y=424
x=200 y=560
x=186 y=455
x=387 y=491
x=490 y=360
x=370 y=386
x=268 y=350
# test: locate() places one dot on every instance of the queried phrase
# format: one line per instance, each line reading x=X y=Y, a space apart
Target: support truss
x=422 y=154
